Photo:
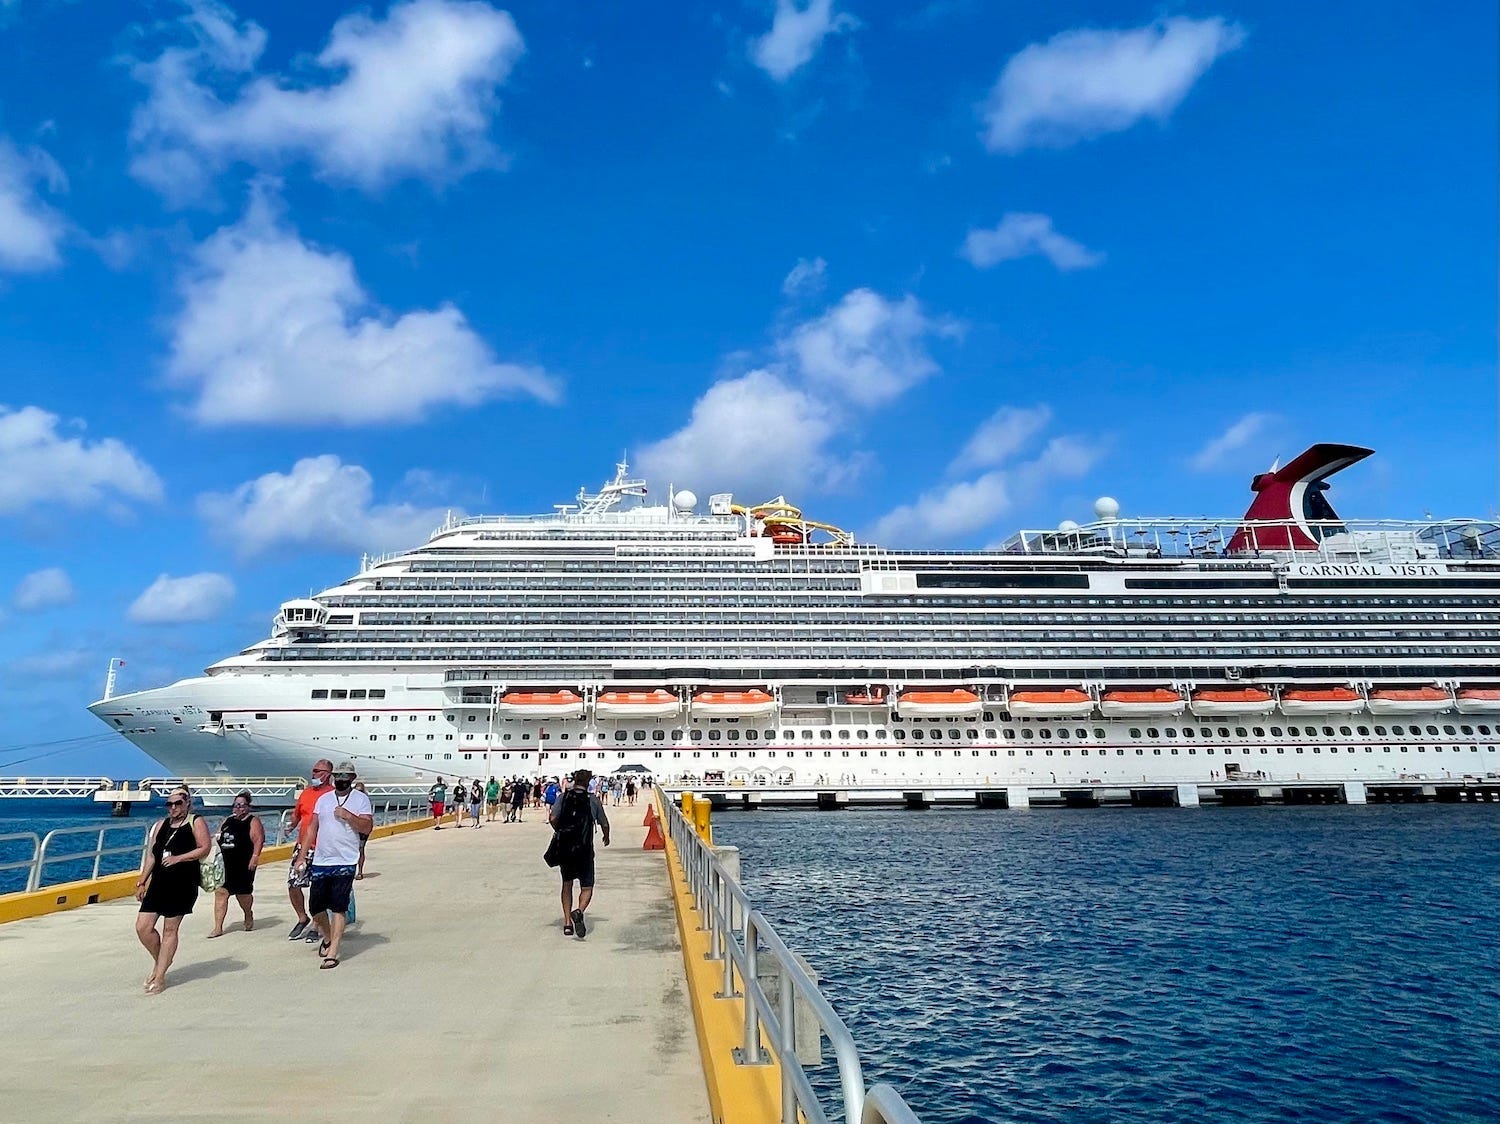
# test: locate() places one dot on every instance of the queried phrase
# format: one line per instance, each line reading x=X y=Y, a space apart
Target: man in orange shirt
x=299 y=880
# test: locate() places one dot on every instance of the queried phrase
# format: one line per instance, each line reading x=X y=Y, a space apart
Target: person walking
x=574 y=815
x=241 y=838
x=476 y=799
x=519 y=792
x=364 y=837
x=301 y=817
x=339 y=818
x=437 y=796
x=168 y=885
x=460 y=799
x=492 y=799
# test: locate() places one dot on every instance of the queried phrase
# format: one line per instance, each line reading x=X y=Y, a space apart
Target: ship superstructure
x=750 y=645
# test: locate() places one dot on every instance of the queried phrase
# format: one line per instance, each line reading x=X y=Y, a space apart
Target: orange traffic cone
x=650 y=816
x=654 y=840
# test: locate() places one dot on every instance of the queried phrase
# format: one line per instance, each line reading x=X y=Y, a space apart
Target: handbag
x=211 y=866
x=553 y=855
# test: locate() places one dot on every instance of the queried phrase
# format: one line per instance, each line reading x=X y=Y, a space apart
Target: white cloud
x=275 y=331
x=411 y=94
x=795 y=36
x=323 y=504
x=1020 y=235
x=38 y=465
x=957 y=510
x=805 y=279
x=1252 y=427
x=1001 y=436
x=1084 y=83
x=30 y=230
x=169 y=600
x=52 y=665
x=43 y=589
x=776 y=428
x=867 y=348
x=754 y=433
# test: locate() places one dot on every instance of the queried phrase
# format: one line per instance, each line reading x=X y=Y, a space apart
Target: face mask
x=319 y=781
x=342 y=783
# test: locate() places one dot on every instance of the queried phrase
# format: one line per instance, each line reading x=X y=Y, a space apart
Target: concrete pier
x=458 y=998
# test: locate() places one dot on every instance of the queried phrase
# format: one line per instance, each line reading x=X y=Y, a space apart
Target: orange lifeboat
x=636 y=704
x=1158 y=702
x=1409 y=700
x=874 y=696
x=1053 y=702
x=1321 y=700
x=735 y=704
x=939 y=704
x=784 y=535
x=540 y=704
x=1478 y=700
x=1217 y=702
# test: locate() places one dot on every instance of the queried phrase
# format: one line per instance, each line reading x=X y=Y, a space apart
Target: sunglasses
x=175 y=803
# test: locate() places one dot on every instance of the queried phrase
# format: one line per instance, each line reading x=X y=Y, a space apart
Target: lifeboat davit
x=1067 y=702
x=1321 y=700
x=1478 y=700
x=1219 y=702
x=636 y=704
x=735 y=704
x=939 y=704
x=1409 y=700
x=540 y=704
x=1158 y=703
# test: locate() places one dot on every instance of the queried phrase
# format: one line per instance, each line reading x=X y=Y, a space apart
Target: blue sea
x=42 y=816
x=1258 y=964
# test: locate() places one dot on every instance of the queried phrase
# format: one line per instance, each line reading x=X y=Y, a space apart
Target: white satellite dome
x=1107 y=507
x=1067 y=526
x=684 y=500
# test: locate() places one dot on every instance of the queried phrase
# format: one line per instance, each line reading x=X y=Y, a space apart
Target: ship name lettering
x=1366 y=570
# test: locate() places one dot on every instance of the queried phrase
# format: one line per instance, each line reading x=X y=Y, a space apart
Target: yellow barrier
x=737 y=1094
x=71 y=895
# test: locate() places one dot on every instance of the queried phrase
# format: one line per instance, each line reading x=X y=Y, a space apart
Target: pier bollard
x=702 y=809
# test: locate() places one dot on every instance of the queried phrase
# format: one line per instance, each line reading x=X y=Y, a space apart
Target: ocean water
x=42 y=816
x=1257 y=964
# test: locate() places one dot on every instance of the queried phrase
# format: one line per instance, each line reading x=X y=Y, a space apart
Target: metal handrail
x=34 y=879
x=739 y=935
x=35 y=866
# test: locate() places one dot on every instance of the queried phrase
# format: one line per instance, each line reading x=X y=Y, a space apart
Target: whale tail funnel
x=1289 y=511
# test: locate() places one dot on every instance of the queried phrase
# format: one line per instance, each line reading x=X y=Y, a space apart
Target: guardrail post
x=785 y=1048
x=750 y=1051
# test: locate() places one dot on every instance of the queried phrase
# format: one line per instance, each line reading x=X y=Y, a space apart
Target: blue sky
x=281 y=284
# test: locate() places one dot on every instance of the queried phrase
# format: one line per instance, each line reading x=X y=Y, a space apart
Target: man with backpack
x=573 y=816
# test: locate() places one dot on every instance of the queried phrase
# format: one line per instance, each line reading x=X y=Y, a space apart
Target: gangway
x=213 y=791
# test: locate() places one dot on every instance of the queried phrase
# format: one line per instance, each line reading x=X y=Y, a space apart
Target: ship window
x=321 y=693
x=807 y=735
x=338 y=693
x=715 y=735
x=752 y=735
x=734 y=735
x=1447 y=730
x=899 y=735
x=695 y=735
x=467 y=737
x=919 y=734
x=640 y=735
x=1364 y=731
x=430 y=737
x=374 y=737
x=825 y=735
x=1328 y=731
x=261 y=715
x=411 y=737
x=658 y=735
x=1345 y=731
x=880 y=732
x=1466 y=729
x=1135 y=732
x=374 y=718
x=1152 y=732
x=1485 y=730
x=377 y=692
x=357 y=693
x=1044 y=733
x=1171 y=732
x=971 y=733
x=1259 y=731
x=1224 y=731
x=862 y=735
x=447 y=737
x=1010 y=735
x=426 y=757
x=1099 y=732
x=471 y=718
x=621 y=735
x=1276 y=731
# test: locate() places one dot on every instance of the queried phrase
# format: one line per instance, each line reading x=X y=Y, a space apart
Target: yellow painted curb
x=737 y=1094
x=70 y=895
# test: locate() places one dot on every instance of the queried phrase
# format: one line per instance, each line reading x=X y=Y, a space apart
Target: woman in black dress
x=241 y=838
x=168 y=885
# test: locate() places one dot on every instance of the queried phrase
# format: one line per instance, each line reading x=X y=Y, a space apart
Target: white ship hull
x=404 y=740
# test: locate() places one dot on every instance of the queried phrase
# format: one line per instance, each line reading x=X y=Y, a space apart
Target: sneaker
x=580 y=930
x=297 y=930
x=313 y=936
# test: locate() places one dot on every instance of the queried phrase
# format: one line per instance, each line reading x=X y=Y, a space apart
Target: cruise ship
x=724 y=644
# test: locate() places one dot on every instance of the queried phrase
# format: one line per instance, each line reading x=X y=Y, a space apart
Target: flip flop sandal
x=567 y=930
x=328 y=962
x=323 y=950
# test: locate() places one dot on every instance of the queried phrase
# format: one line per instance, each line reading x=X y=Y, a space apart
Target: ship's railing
x=743 y=939
x=35 y=788
x=1340 y=539
x=62 y=846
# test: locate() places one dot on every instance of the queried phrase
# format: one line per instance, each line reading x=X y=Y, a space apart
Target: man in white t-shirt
x=339 y=818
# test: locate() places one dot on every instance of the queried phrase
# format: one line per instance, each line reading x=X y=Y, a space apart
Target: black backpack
x=575 y=822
